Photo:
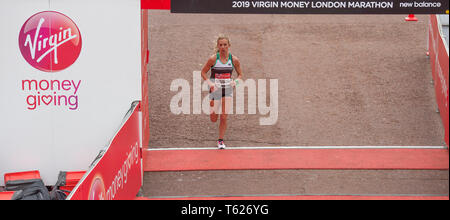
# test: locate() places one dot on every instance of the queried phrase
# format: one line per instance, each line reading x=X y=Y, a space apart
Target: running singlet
x=221 y=72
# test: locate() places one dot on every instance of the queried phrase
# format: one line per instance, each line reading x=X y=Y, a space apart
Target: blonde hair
x=221 y=37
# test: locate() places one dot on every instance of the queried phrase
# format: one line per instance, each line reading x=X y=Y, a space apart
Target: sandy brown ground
x=343 y=80
x=296 y=182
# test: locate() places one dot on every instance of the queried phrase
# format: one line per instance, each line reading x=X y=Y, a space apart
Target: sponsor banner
x=439 y=60
x=117 y=172
x=68 y=72
x=310 y=6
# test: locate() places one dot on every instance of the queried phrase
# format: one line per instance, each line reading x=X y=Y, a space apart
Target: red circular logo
x=97 y=190
x=50 y=41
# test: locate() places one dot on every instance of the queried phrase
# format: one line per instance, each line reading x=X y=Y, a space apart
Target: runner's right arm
x=205 y=70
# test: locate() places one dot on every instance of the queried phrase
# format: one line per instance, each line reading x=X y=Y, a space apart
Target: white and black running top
x=221 y=72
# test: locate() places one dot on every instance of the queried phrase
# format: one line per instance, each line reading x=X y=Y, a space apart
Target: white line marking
x=293 y=195
x=299 y=147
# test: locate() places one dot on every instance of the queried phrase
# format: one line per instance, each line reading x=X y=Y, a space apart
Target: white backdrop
x=54 y=138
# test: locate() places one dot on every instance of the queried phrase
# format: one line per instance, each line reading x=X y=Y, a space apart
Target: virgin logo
x=50 y=41
x=97 y=190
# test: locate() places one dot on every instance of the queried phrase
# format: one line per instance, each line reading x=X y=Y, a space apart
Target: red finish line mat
x=266 y=159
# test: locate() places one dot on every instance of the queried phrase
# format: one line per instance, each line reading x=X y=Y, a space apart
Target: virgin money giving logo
x=50 y=41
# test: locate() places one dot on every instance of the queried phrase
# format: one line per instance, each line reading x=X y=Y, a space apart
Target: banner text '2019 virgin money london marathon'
x=311 y=6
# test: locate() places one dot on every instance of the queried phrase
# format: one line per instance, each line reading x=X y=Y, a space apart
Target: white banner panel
x=69 y=71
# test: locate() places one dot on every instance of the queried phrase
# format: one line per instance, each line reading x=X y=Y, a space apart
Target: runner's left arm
x=237 y=67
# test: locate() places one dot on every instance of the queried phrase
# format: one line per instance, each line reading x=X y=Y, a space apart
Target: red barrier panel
x=155 y=4
x=7 y=195
x=26 y=175
x=439 y=67
x=117 y=174
x=144 y=62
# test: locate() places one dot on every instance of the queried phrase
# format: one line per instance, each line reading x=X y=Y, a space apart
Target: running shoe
x=220 y=144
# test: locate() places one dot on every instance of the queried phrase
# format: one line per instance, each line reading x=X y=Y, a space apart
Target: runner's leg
x=226 y=105
x=214 y=105
x=214 y=112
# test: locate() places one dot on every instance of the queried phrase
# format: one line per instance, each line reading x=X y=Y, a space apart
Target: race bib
x=223 y=80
